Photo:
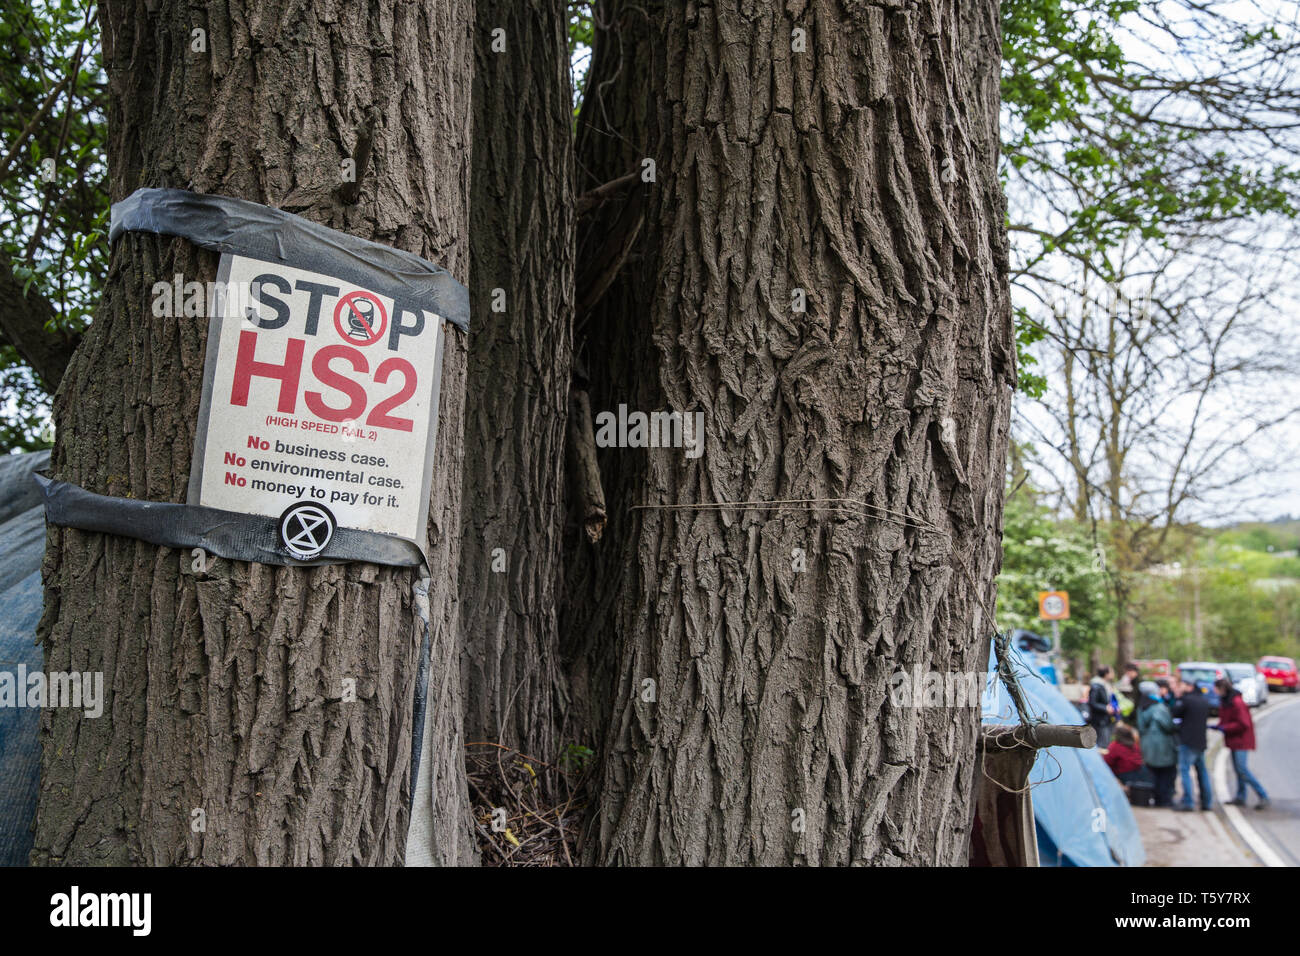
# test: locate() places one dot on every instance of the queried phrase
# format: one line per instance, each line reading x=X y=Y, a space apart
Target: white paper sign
x=320 y=405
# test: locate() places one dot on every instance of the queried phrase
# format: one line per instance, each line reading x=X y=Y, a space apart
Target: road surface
x=1276 y=762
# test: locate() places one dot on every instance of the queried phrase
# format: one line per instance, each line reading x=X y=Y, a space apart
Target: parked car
x=1203 y=674
x=1250 y=683
x=1280 y=673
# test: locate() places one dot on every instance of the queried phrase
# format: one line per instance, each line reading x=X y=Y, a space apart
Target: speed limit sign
x=1053 y=605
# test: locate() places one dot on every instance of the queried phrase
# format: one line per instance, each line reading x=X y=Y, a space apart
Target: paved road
x=1276 y=763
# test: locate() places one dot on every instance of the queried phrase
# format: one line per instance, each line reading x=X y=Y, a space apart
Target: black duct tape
x=227 y=534
x=242 y=537
x=246 y=228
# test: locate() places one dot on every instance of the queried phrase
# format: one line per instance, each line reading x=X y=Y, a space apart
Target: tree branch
x=590 y=200
x=584 y=474
x=22 y=321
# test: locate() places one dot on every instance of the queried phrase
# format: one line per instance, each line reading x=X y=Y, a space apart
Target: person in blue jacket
x=1159 y=750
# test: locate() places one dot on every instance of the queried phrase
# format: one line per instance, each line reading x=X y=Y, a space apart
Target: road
x=1276 y=762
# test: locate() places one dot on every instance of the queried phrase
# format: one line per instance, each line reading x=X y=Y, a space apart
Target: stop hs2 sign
x=1053 y=605
x=318 y=392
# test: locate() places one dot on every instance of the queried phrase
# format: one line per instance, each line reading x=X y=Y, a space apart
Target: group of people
x=1162 y=725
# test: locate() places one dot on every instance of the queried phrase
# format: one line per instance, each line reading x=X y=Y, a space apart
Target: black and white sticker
x=305 y=529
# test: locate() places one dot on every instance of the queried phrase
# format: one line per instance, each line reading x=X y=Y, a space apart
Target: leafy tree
x=1221 y=601
x=1125 y=121
x=1042 y=553
x=53 y=203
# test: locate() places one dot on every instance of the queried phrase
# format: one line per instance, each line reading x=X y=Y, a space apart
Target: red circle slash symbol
x=366 y=318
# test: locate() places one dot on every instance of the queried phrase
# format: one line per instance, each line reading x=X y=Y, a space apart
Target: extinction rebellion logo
x=305 y=529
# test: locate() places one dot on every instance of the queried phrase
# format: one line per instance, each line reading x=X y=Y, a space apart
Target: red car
x=1280 y=672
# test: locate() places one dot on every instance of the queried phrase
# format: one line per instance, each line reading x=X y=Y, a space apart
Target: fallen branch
x=590 y=200
x=584 y=474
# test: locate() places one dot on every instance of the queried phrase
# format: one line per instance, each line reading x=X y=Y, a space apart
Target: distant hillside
x=1279 y=535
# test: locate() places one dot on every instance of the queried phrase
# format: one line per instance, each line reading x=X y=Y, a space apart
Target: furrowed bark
x=521 y=248
x=750 y=719
x=223 y=688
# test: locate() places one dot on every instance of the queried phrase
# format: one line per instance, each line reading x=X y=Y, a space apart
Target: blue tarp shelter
x=22 y=544
x=1081 y=813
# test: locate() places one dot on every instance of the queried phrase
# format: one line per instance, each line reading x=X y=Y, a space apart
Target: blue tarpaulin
x=22 y=543
x=1082 y=814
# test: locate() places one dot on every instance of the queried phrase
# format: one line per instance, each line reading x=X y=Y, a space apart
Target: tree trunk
x=521 y=261
x=753 y=646
x=1126 y=638
x=223 y=688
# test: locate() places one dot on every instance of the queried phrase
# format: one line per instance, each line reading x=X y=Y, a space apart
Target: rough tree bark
x=223 y=687
x=864 y=172
x=521 y=243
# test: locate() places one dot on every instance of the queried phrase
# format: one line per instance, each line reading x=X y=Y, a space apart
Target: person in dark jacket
x=1159 y=746
x=1239 y=737
x=1100 y=712
x=1193 y=710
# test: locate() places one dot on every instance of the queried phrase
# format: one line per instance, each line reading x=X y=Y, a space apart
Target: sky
x=1265 y=474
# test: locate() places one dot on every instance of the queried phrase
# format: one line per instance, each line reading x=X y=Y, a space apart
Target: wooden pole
x=1040 y=735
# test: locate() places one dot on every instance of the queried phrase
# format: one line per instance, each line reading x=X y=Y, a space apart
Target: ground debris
x=526 y=812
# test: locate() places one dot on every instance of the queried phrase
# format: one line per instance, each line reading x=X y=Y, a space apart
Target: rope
x=1011 y=681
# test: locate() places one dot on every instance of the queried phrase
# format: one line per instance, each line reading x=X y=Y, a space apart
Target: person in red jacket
x=1239 y=737
x=1123 y=756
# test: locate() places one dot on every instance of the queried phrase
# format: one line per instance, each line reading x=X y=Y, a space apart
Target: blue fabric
x=1082 y=813
x=22 y=544
x=1187 y=759
x=1049 y=854
x=20 y=748
x=1244 y=776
